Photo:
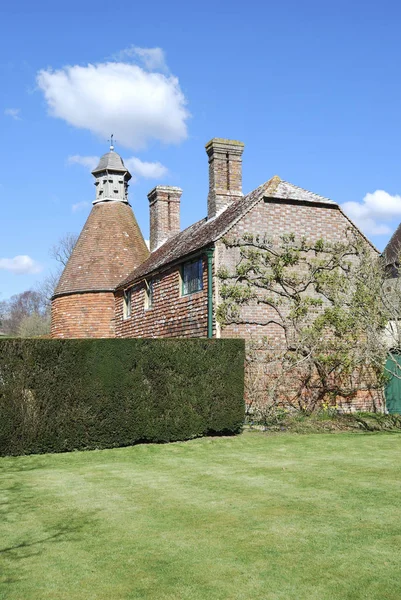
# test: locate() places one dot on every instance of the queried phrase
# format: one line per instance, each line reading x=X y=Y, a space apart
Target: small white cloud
x=138 y=106
x=20 y=265
x=147 y=242
x=86 y=161
x=13 y=113
x=153 y=59
x=80 y=206
x=374 y=211
x=148 y=170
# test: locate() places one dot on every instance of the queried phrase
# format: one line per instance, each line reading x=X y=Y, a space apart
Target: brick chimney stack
x=225 y=174
x=164 y=207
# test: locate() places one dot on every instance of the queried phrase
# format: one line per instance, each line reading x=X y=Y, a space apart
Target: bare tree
x=47 y=286
x=61 y=251
x=28 y=314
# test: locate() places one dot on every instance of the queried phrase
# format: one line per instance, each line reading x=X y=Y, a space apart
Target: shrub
x=62 y=395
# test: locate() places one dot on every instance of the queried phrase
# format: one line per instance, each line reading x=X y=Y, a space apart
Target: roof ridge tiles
x=207 y=231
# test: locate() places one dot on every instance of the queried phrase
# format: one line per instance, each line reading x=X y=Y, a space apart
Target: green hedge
x=61 y=395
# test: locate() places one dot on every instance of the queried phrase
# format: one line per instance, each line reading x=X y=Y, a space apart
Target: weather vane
x=111 y=142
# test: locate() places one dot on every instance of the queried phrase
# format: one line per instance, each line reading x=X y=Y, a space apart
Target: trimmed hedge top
x=61 y=395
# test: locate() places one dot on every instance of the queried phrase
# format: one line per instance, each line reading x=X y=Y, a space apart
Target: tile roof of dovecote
x=206 y=232
x=109 y=246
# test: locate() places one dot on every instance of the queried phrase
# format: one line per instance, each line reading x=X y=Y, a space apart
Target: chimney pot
x=164 y=208
x=225 y=174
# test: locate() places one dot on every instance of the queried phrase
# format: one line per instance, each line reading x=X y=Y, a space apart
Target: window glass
x=127 y=304
x=149 y=295
x=192 y=277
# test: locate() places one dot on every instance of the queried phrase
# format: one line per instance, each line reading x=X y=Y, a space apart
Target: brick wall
x=275 y=218
x=172 y=315
x=83 y=315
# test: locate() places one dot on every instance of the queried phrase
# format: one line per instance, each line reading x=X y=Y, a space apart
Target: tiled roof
x=205 y=232
x=289 y=191
x=110 y=244
x=392 y=251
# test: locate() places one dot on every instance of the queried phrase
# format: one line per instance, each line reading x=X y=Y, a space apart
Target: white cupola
x=112 y=178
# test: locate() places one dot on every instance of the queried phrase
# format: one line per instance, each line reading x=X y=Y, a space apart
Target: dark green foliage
x=61 y=395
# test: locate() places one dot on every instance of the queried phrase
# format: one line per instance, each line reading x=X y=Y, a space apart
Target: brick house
x=113 y=287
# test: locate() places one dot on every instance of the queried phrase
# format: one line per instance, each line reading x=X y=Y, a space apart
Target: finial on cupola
x=111 y=142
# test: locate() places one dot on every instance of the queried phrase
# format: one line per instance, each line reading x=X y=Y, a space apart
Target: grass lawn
x=252 y=517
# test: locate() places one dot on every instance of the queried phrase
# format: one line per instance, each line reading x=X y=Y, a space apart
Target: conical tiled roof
x=110 y=246
x=111 y=161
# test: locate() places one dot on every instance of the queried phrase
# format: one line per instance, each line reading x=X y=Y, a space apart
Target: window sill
x=191 y=293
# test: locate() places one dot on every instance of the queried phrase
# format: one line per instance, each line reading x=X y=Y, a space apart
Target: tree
x=60 y=252
x=19 y=307
x=34 y=325
x=28 y=314
x=321 y=307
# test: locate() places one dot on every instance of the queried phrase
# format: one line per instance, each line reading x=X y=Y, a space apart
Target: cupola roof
x=111 y=161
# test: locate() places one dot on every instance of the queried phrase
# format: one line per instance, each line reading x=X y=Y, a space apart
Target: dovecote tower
x=109 y=247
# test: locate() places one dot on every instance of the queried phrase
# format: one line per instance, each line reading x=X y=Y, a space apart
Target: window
x=127 y=304
x=148 y=294
x=191 y=274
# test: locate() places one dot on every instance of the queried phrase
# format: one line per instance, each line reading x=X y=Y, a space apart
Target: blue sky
x=313 y=89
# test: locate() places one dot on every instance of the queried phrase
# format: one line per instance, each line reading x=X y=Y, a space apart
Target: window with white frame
x=127 y=304
x=192 y=277
x=148 y=294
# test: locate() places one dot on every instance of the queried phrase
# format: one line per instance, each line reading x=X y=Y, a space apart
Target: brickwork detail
x=225 y=174
x=171 y=315
x=86 y=315
x=164 y=207
x=274 y=219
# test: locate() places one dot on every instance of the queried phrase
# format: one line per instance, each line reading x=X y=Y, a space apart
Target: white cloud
x=136 y=166
x=153 y=59
x=80 y=206
x=374 y=211
x=20 y=265
x=148 y=170
x=86 y=161
x=137 y=106
x=13 y=113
